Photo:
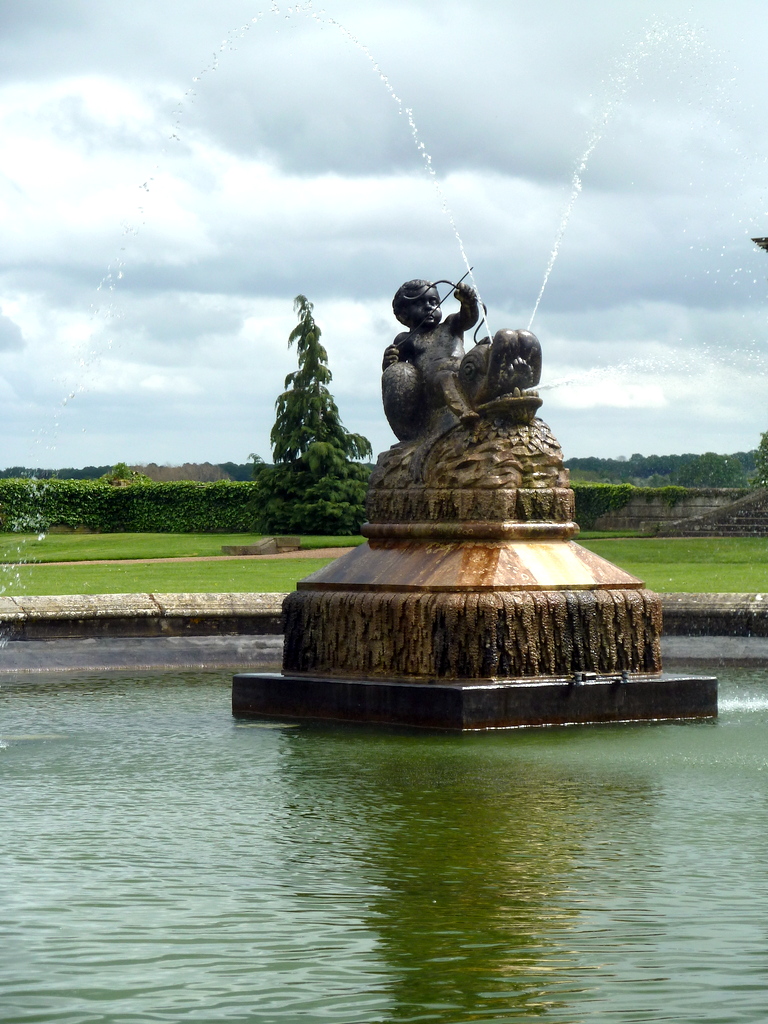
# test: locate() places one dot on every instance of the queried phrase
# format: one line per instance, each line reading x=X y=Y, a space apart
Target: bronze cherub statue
x=429 y=384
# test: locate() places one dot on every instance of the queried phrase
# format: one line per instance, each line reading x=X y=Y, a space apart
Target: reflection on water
x=160 y=861
x=469 y=848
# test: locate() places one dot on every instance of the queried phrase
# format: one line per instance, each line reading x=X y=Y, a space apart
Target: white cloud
x=292 y=171
x=176 y=385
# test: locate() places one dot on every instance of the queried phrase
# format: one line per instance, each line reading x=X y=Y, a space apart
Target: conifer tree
x=760 y=478
x=317 y=484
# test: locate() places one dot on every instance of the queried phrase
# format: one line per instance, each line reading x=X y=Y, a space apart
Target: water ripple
x=161 y=863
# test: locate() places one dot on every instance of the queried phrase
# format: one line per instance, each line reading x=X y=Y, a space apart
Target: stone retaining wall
x=650 y=513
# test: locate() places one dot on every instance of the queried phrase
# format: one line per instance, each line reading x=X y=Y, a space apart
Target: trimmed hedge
x=595 y=500
x=227 y=506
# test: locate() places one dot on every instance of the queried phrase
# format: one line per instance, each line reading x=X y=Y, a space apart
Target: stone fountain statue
x=470 y=606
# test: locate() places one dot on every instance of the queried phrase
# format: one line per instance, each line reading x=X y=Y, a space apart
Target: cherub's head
x=417 y=304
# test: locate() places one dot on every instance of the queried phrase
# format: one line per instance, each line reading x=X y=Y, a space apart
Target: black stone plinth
x=474 y=705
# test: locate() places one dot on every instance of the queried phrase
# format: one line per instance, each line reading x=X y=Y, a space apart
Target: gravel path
x=315 y=553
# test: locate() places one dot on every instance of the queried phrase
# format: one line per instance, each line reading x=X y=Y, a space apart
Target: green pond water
x=160 y=861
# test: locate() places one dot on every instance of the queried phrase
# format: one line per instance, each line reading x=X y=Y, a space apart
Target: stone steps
x=746 y=517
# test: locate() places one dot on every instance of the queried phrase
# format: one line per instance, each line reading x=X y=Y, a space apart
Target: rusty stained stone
x=461 y=636
x=461 y=566
x=441 y=504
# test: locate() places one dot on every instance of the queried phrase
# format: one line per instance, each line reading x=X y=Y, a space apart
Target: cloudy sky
x=174 y=172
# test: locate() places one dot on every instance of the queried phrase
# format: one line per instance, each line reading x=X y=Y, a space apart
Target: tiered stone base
x=416 y=610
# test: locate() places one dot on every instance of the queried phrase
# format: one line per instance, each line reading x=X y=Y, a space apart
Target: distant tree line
x=199 y=471
x=689 y=470
x=708 y=470
x=28 y=472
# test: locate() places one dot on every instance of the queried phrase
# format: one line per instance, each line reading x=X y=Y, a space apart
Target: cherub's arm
x=397 y=351
x=468 y=313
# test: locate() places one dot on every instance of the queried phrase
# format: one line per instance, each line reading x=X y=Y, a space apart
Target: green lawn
x=667 y=565
x=690 y=565
x=602 y=534
x=160 y=577
x=76 y=547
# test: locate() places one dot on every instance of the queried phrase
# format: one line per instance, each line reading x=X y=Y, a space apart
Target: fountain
x=470 y=606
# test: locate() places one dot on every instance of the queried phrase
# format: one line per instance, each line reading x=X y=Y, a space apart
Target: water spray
x=628 y=72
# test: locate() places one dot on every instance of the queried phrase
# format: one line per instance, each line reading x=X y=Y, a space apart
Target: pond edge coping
x=193 y=614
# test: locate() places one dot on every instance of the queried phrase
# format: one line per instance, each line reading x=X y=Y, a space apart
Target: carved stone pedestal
x=470 y=606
